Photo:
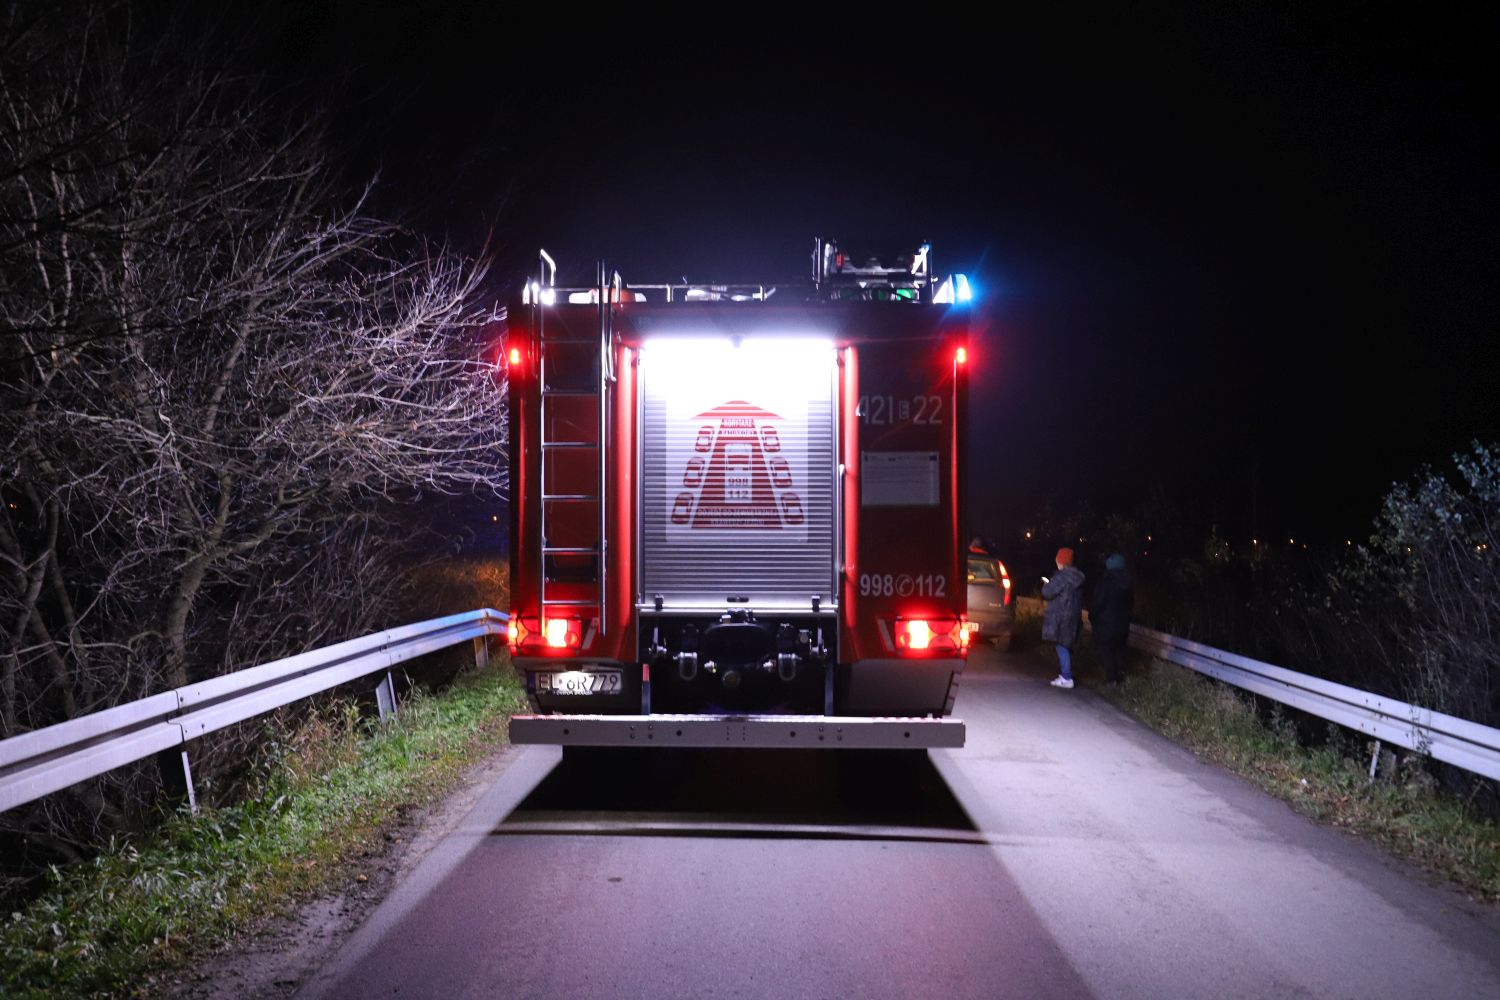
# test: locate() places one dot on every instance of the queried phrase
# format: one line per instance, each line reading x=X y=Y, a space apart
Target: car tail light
x=930 y=636
x=1004 y=580
x=563 y=633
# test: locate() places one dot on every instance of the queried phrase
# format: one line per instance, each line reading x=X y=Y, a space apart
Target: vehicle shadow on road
x=744 y=793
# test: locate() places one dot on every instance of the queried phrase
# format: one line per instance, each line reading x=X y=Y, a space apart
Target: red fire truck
x=738 y=509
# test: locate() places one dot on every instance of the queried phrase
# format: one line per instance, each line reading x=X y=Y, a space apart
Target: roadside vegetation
x=459 y=583
x=1402 y=809
x=1320 y=770
x=1408 y=611
x=322 y=795
x=240 y=400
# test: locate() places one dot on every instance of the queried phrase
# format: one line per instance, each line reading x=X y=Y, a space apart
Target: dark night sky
x=1215 y=250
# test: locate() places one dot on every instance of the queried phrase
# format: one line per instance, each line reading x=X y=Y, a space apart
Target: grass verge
x=1402 y=811
x=326 y=793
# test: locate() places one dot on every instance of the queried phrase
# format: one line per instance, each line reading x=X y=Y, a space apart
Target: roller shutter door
x=737 y=473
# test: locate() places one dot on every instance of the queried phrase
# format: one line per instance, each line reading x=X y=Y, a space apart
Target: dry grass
x=462 y=583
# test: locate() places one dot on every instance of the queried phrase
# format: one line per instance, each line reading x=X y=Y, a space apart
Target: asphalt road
x=1064 y=852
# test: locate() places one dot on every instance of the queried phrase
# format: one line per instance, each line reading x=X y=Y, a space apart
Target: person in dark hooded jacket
x=1109 y=616
x=1062 y=618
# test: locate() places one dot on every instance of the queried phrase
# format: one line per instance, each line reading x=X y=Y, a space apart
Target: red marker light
x=961 y=356
x=515 y=356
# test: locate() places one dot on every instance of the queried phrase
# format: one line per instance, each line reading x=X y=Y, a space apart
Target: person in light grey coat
x=1062 y=618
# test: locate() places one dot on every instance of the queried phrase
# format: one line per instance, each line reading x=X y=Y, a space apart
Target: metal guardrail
x=46 y=760
x=1446 y=738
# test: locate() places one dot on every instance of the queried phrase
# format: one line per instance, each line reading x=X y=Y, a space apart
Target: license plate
x=580 y=682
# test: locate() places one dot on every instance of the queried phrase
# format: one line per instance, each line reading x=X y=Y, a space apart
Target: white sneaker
x=1061 y=682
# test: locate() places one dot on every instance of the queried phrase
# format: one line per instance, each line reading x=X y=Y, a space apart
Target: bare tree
x=221 y=377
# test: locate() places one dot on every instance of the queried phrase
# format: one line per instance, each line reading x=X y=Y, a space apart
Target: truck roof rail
x=903 y=276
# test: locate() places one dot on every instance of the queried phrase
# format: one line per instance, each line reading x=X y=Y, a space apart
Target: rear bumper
x=753 y=731
x=993 y=621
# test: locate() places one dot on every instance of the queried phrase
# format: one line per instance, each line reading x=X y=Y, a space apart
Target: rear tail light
x=930 y=636
x=563 y=633
x=914 y=633
x=1004 y=580
x=533 y=637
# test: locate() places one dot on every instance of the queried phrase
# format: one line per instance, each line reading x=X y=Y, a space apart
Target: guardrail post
x=1374 y=761
x=481 y=651
x=385 y=697
x=177 y=776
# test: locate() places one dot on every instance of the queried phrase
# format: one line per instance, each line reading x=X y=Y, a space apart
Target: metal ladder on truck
x=572 y=371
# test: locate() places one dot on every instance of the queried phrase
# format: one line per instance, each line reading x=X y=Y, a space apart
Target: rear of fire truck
x=738 y=509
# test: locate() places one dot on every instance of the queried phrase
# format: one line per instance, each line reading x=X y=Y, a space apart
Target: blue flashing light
x=962 y=291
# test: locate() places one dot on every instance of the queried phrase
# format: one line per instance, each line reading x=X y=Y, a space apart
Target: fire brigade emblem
x=736 y=475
